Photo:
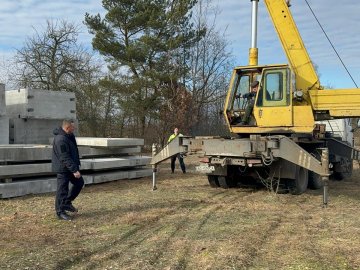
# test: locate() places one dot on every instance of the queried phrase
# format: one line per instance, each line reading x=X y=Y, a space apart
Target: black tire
x=315 y=181
x=226 y=182
x=343 y=169
x=299 y=184
x=213 y=181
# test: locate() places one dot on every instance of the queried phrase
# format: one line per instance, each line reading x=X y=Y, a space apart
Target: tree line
x=167 y=64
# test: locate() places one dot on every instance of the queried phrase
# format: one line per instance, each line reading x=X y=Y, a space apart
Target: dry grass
x=185 y=224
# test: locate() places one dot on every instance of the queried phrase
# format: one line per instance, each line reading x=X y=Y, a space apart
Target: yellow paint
x=303 y=116
x=253 y=57
x=306 y=77
x=267 y=130
x=273 y=116
x=291 y=115
x=340 y=103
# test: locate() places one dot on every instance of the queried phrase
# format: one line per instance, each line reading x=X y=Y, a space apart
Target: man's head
x=176 y=130
x=68 y=126
x=254 y=86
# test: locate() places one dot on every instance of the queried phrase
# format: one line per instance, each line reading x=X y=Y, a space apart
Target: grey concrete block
x=86 y=151
x=140 y=173
x=16 y=189
x=32 y=131
x=29 y=152
x=32 y=103
x=48 y=184
x=110 y=163
x=26 y=170
x=109 y=142
x=106 y=177
x=2 y=100
x=4 y=130
x=117 y=175
x=19 y=153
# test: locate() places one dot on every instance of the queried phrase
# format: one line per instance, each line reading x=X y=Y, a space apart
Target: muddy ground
x=185 y=224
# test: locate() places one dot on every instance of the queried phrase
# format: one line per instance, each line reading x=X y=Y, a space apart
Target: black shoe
x=70 y=208
x=184 y=171
x=63 y=216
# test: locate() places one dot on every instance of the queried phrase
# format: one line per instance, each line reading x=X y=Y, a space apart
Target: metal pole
x=254 y=19
x=154 y=178
x=325 y=176
x=253 y=51
x=154 y=167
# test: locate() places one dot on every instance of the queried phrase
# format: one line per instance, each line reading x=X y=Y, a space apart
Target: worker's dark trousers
x=181 y=161
x=248 y=110
x=63 y=196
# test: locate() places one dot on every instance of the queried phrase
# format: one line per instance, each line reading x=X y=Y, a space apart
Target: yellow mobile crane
x=281 y=139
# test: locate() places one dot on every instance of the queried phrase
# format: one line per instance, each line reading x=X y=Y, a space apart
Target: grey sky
x=339 y=19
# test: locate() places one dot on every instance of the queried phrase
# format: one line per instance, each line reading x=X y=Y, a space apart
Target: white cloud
x=339 y=19
x=19 y=18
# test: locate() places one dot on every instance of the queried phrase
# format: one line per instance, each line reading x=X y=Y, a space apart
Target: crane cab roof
x=260 y=67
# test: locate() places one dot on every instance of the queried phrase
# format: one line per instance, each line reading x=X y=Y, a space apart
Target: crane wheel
x=213 y=181
x=343 y=169
x=226 y=182
x=315 y=181
x=300 y=183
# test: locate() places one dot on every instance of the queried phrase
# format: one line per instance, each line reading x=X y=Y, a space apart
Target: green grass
x=185 y=224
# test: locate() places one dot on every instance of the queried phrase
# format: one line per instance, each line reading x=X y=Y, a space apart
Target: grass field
x=185 y=224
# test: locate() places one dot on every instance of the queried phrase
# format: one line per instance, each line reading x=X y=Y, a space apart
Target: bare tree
x=7 y=68
x=210 y=65
x=52 y=59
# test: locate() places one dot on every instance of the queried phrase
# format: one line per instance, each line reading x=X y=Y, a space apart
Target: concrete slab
x=48 y=184
x=4 y=130
x=26 y=170
x=109 y=142
x=109 y=163
x=145 y=172
x=118 y=175
x=2 y=100
x=30 y=152
x=32 y=131
x=16 y=189
x=105 y=177
x=20 y=153
x=86 y=151
x=33 y=103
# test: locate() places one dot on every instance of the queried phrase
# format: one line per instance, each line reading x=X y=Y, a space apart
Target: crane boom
x=293 y=45
x=272 y=109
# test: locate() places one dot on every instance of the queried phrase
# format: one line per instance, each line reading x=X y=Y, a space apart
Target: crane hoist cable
x=331 y=43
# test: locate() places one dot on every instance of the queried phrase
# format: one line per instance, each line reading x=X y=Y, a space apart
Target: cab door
x=273 y=105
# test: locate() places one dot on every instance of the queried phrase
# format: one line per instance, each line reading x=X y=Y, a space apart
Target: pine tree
x=146 y=40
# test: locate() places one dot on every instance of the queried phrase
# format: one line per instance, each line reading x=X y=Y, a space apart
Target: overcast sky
x=340 y=19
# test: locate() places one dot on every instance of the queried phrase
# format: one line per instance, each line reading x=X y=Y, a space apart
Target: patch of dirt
x=185 y=224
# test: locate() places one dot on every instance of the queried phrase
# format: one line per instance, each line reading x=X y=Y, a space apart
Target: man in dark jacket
x=66 y=163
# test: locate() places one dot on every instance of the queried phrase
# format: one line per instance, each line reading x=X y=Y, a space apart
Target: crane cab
x=275 y=109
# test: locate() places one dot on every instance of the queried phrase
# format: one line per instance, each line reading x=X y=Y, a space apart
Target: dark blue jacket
x=65 y=154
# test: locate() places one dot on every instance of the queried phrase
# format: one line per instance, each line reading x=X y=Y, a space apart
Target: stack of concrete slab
x=35 y=113
x=4 y=119
x=26 y=169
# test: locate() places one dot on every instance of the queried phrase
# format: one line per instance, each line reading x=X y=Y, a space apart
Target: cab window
x=274 y=86
x=242 y=88
x=274 y=90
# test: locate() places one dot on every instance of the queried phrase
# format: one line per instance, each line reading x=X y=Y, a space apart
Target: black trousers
x=63 y=196
x=181 y=161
